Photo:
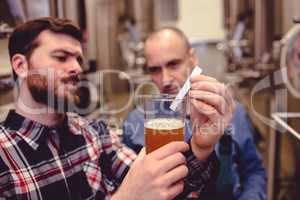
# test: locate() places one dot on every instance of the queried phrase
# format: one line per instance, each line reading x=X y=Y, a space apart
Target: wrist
x=123 y=194
x=117 y=196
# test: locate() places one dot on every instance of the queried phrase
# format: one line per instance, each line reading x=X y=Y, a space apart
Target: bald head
x=169 y=59
x=169 y=34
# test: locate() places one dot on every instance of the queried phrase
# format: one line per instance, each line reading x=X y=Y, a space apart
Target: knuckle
x=181 y=157
x=150 y=171
x=223 y=104
x=159 y=184
x=185 y=170
x=164 y=196
x=219 y=100
x=222 y=89
x=173 y=146
x=153 y=171
x=177 y=146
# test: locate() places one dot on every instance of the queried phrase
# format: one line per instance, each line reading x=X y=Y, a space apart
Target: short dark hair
x=23 y=39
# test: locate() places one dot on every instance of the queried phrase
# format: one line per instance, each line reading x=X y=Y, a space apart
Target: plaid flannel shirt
x=75 y=160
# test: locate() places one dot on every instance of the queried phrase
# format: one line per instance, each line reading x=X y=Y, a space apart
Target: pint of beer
x=161 y=131
x=161 y=124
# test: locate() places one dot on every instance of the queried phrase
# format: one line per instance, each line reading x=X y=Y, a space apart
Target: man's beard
x=44 y=92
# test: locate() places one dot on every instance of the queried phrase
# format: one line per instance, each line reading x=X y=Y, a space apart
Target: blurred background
x=245 y=43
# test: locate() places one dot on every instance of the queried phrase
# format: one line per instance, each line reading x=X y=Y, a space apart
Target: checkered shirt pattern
x=78 y=159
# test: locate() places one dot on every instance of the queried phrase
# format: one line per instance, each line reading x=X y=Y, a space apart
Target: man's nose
x=166 y=76
x=75 y=68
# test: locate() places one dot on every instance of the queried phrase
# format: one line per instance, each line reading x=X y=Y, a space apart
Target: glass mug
x=161 y=124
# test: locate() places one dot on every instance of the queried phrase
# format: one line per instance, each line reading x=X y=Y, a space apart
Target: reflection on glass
x=293 y=61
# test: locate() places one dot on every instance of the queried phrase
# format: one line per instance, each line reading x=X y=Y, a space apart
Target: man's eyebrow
x=175 y=60
x=66 y=51
x=153 y=66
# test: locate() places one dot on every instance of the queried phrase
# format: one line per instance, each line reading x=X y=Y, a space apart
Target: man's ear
x=20 y=65
x=193 y=57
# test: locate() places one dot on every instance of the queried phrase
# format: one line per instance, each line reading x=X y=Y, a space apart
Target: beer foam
x=164 y=124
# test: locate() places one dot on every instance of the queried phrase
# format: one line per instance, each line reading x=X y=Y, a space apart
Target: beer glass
x=161 y=124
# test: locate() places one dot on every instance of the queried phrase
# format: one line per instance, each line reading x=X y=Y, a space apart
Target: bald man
x=169 y=61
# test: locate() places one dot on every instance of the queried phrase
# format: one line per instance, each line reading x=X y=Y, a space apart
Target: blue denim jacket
x=248 y=174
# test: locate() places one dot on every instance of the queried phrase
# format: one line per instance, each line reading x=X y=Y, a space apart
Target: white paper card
x=185 y=88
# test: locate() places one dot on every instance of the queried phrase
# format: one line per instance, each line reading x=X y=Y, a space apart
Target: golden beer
x=161 y=131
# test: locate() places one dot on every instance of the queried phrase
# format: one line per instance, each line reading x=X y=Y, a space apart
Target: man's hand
x=212 y=108
x=155 y=176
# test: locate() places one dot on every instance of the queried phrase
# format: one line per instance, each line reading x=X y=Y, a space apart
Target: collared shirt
x=75 y=160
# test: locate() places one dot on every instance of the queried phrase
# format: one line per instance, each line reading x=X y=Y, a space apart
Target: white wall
x=4 y=58
x=201 y=19
x=291 y=10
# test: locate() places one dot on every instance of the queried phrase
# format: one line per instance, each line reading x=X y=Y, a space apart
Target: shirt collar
x=31 y=132
x=35 y=133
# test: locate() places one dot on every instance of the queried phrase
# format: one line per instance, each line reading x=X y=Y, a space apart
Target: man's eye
x=173 y=64
x=80 y=61
x=61 y=58
x=153 y=70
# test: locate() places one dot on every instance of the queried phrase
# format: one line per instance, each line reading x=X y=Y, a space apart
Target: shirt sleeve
x=250 y=167
x=121 y=156
x=201 y=174
x=115 y=159
x=252 y=173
